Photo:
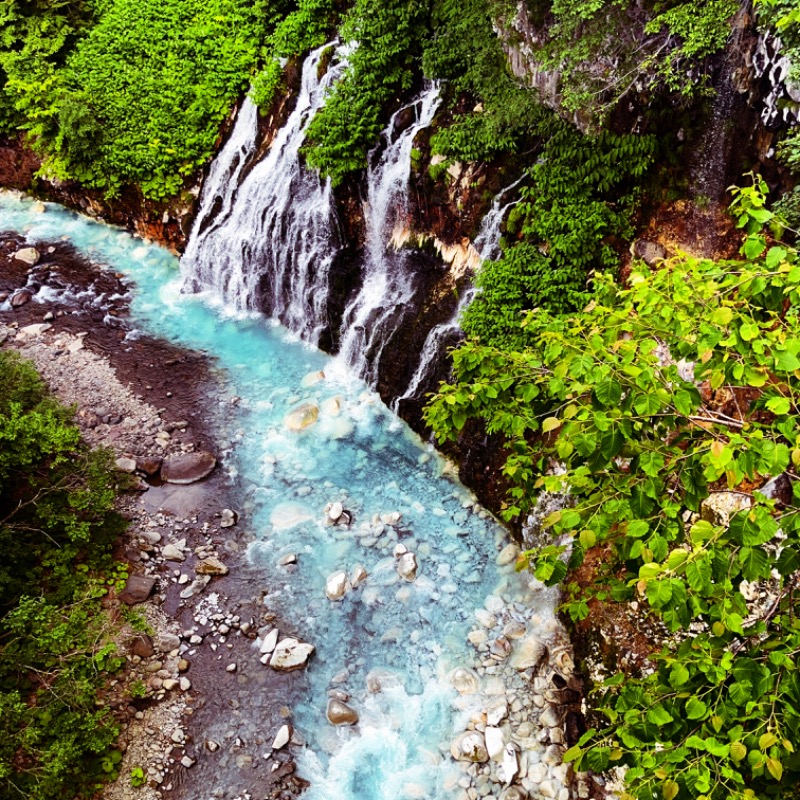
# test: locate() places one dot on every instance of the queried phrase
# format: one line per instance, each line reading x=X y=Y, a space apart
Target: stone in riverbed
x=20 y=298
x=229 y=518
x=211 y=566
x=172 y=553
x=125 y=464
x=150 y=465
x=137 y=589
x=142 y=646
x=336 y=585
x=291 y=654
x=302 y=417
x=464 y=680
x=312 y=378
x=340 y=713
x=495 y=742
x=27 y=255
x=269 y=642
x=167 y=642
x=282 y=737
x=407 y=567
x=528 y=653
x=187 y=467
x=507 y=555
x=514 y=793
x=335 y=511
x=470 y=746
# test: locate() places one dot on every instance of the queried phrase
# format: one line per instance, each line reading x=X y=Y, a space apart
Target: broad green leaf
x=670 y=790
x=678 y=675
x=748 y=331
x=775 y=768
x=722 y=316
x=786 y=362
x=779 y=405
x=658 y=715
x=550 y=424
x=695 y=708
x=738 y=751
x=608 y=393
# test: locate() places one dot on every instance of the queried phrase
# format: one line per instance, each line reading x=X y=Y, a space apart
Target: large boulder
x=291 y=654
x=528 y=653
x=187 y=467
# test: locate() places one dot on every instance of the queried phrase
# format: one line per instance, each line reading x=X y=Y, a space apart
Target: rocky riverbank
x=195 y=602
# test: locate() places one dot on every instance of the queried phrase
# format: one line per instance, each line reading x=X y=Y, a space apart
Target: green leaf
x=658 y=715
x=670 y=790
x=678 y=675
x=741 y=692
x=785 y=361
x=775 y=768
x=738 y=751
x=695 y=708
x=779 y=405
x=608 y=393
x=748 y=331
x=550 y=424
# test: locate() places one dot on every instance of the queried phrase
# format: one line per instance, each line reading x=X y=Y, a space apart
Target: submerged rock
x=340 y=713
x=291 y=654
x=20 y=298
x=302 y=417
x=282 y=737
x=407 y=567
x=464 y=680
x=187 y=467
x=470 y=746
x=229 y=518
x=336 y=585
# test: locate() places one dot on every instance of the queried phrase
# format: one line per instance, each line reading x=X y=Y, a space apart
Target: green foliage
x=386 y=33
x=160 y=77
x=138 y=778
x=303 y=29
x=56 y=527
x=464 y=49
x=645 y=440
x=608 y=48
x=577 y=199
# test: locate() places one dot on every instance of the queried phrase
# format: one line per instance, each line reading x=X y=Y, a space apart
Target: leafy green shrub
x=578 y=198
x=681 y=385
x=56 y=529
x=387 y=34
x=301 y=30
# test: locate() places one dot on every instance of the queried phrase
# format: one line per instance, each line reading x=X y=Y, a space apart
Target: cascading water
x=421 y=657
x=445 y=335
x=268 y=243
x=387 y=288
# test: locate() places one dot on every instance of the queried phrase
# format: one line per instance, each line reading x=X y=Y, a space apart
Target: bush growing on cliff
x=56 y=527
x=671 y=403
x=581 y=195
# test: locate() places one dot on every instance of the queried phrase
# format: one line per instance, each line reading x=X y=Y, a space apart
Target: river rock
x=335 y=511
x=514 y=793
x=495 y=742
x=360 y=574
x=302 y=417
x=550 y=718
x=187 y=468
x=336 y=585
x=288 y=515
x=407 y=567
x=649 y=252
x=312 y=378
x=485 y=618
x=464 y=680
x=269 y=642
x=229 y=518
x=149 y=465
x=507 y=555
x=379 y=679
x=282 y=737
x=172 y=553
x=27 y=255
x=340 y=713
x=470 y=746
x=142 y=646
x=125 y=464
x=528 y=653
x=291 y=654
x=289 y=558
x=137 y=589
x=496 y=712
x=20 y=298
x=167 y=642
x=211 y=566
x=332 y=407
x=509 y=765
x=34 y=330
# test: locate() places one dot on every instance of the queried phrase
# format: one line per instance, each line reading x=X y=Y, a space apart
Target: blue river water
x=359 y=454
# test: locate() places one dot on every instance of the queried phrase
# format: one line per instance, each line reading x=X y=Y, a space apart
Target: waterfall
x=387 y=288
x=267 y=243
x=442 y=336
